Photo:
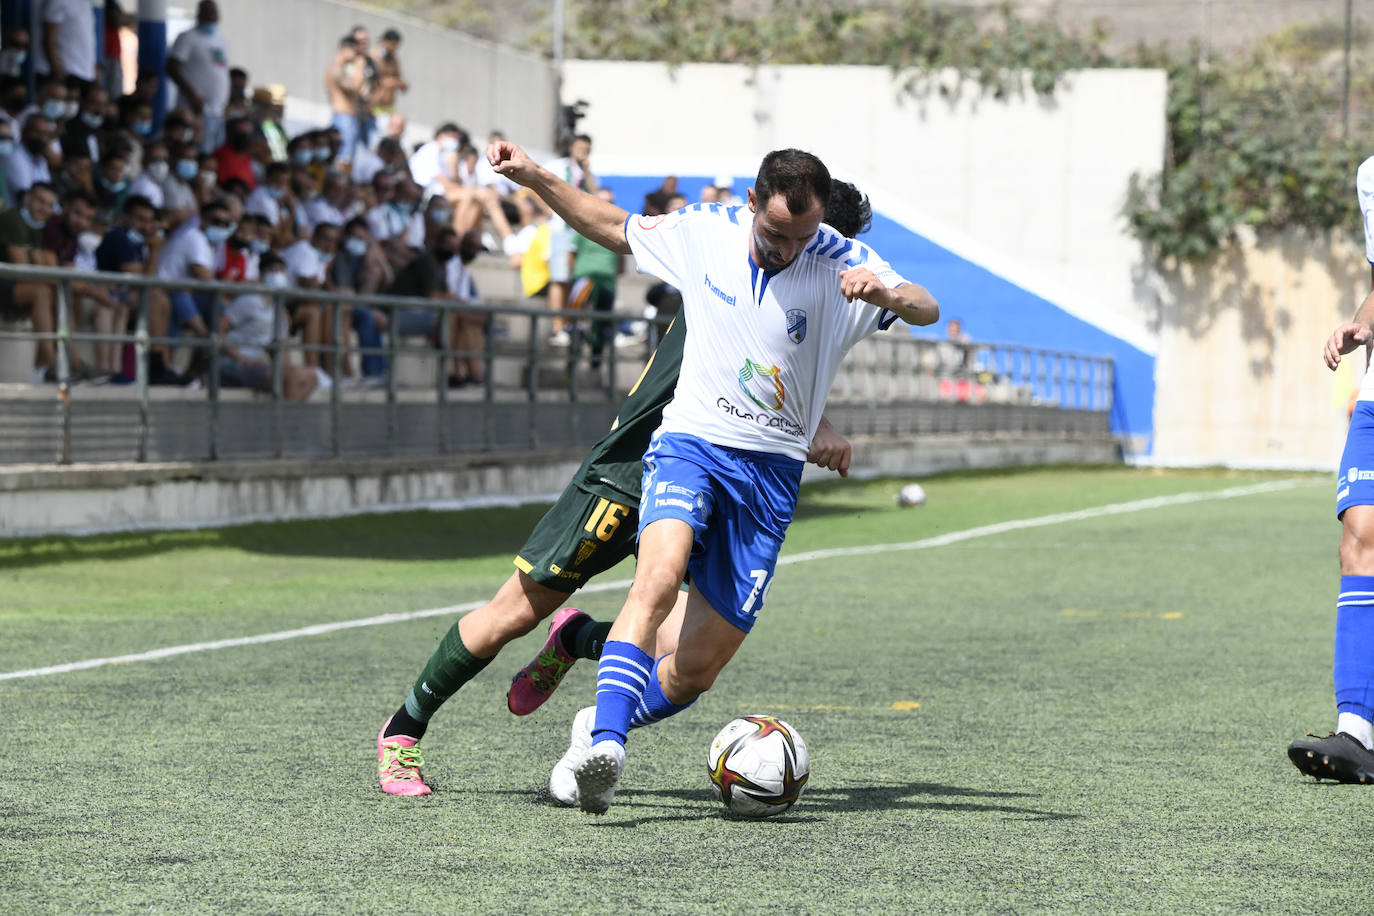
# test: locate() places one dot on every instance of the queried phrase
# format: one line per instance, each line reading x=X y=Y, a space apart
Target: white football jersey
x=762 y=346
x=1364 y=192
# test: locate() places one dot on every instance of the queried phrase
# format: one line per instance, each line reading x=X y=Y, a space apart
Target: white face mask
x=276 y=279
x=158 y=170
x=88 y=241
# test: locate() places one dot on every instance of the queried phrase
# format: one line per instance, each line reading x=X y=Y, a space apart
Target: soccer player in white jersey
x=773 y=300
x=1345 y=755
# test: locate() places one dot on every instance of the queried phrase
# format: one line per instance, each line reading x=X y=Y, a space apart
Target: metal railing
x=65 y=336
x=890 y=384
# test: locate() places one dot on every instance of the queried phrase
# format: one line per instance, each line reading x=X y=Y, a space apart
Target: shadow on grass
x=414 y=536
x=816 y=803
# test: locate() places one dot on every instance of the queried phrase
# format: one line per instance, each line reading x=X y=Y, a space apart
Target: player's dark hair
x=848 y=211
x=800 y=177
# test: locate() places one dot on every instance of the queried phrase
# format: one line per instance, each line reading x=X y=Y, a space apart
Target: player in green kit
x=591 y=528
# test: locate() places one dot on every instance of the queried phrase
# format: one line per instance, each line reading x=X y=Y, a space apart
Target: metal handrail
x=64 y=336
x=893 y=369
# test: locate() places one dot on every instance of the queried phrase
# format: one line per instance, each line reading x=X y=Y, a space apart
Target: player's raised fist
x=860 y=283
x=510 y=160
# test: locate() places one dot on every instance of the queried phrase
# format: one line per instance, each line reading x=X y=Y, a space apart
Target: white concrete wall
x=1038 y=182
x=452 y=76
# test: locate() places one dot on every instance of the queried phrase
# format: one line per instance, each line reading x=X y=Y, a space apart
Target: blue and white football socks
x=655 y=706
x=621 y=676
x=1353 y=669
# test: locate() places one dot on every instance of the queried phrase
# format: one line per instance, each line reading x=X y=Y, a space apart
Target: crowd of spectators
x=221 y=189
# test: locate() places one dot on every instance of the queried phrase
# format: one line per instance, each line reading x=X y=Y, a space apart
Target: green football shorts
x=581 y=536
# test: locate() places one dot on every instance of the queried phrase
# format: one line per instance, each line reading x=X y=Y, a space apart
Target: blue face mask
x=274 y=193
x=142 y=128
x=276 y=279
x=136 y=237
x=114 y=187
x=356 y=247
x=28 y=219
x=187 y=169
x=6 y=147
x=303 y=156
x=208 y=28
x=54 y=110
x=322 y=153
x=258 y=246
x=218 y=234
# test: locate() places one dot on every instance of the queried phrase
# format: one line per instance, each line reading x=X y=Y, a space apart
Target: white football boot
x=562 y=781
x=597 y=775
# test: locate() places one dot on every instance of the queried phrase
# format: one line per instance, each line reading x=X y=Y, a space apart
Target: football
x=913 y=494
x=759 y=766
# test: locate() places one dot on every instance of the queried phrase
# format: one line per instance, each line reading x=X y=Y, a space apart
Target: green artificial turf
x=1084 y=716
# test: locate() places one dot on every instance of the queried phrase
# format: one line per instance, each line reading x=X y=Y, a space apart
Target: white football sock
x=1357 y=727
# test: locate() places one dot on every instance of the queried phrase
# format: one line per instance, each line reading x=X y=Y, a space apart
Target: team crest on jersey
x=796 y=325
x=766 y=378
x=650 y=222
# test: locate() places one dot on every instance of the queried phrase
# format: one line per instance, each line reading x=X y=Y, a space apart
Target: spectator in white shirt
x=28 y=163
x=156 y=169
x=249 y=326
x=189 y=255
x=332 y=204
x=66 y=48
x=180 y=191
x=198 y=62
x=307 y=267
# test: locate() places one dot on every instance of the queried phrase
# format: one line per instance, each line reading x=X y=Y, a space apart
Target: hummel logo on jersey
x=796 y=325
x=718 y=292
x=1355 y=474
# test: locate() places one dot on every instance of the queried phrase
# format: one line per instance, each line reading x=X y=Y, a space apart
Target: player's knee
x=658 y=585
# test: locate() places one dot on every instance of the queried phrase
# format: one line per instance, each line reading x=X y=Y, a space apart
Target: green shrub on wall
x=1254 y=139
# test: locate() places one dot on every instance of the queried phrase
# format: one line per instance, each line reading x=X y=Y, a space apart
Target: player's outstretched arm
x=910 y=302
x=598 y=220
x=1358 y=331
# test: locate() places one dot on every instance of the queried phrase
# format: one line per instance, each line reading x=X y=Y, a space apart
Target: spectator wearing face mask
x=189 y=255
x=70 y=238
x=437 y=161
x=50 y=102
x=272 y=200
x=179 y=189
x=157 y=167
x=249 y=325
x=21 y=242
x=28 y=163
x=66 y=46
x=307 y=267
x=14 y=53
x=132 y=246
x=198 y=63
x=85 y=127
x=361 y=267
x=112 y=184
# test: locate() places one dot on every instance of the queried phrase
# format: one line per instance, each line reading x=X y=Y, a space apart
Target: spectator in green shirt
x=595 y=269
x=21 y=242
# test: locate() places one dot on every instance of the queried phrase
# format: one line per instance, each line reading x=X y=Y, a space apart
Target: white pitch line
x=954 y=537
